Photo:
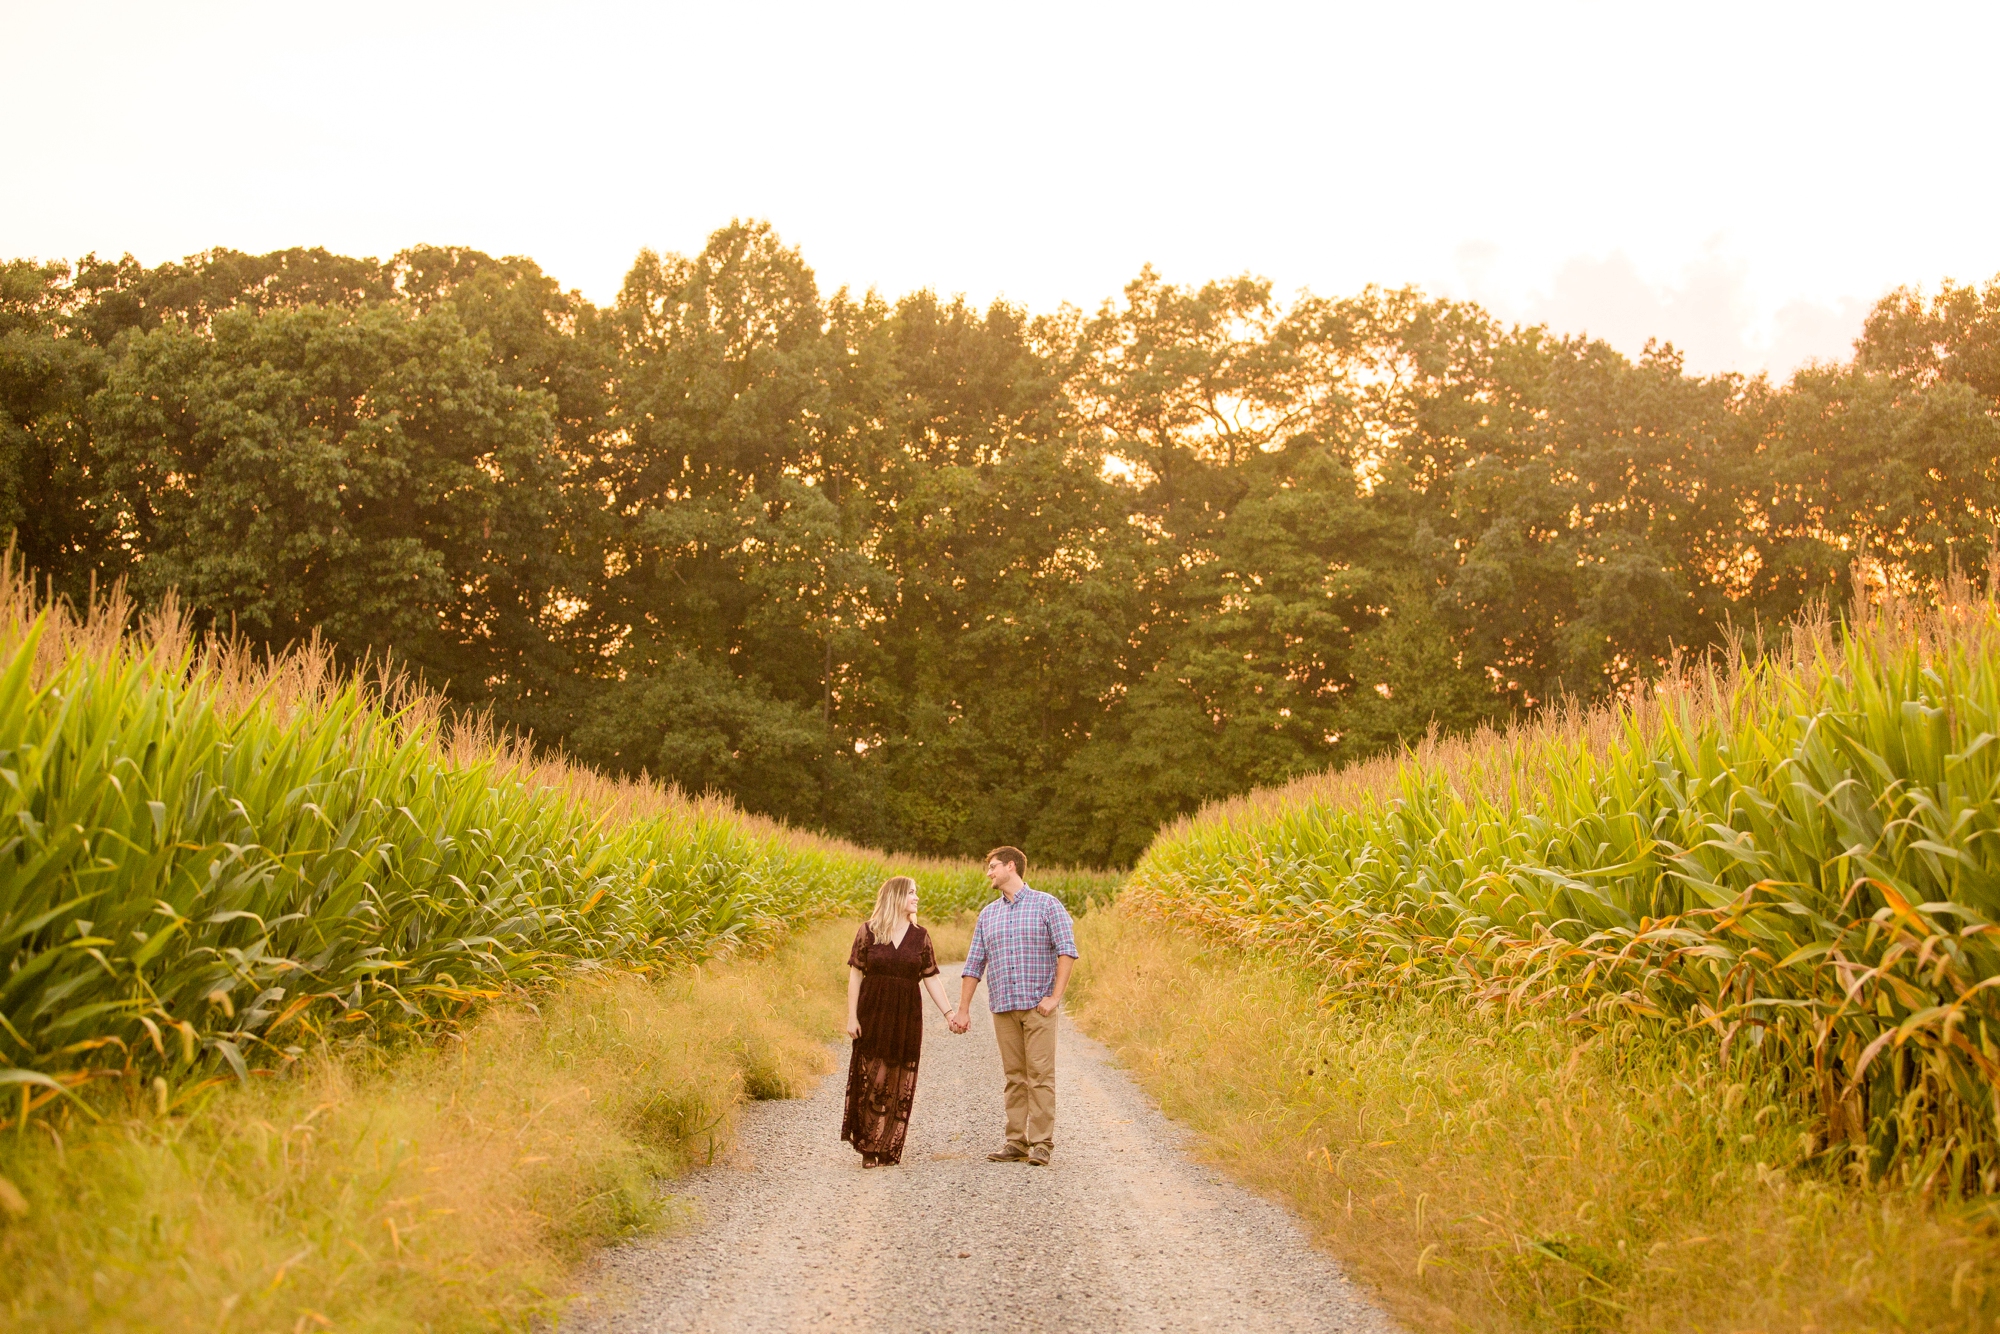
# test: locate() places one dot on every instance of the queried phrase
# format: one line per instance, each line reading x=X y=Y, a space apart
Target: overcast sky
x=1743 y=179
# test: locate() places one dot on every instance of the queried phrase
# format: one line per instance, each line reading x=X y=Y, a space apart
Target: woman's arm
x=968 y=975
x=854 y=1002
x=934 y=986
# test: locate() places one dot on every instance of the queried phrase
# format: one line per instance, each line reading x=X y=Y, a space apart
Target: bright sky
x=1743 y=178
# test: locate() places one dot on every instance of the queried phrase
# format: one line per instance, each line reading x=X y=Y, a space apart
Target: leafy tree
x=362 y=475
x=1955 y=337
x=717 y=559
x=47 y=459
x=693 y=720
x=1897 y=475
x=119 y=295
x=938 y=577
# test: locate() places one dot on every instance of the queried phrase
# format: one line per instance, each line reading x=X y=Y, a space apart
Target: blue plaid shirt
x=1014 y=947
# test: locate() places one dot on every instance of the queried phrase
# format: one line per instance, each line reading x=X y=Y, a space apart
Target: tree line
x=935 y=577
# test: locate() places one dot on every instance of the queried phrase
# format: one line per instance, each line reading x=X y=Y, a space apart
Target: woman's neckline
x=896 y=942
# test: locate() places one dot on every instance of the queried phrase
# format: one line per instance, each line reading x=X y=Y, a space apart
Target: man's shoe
x=1038 y=1156
x=1013 y=1153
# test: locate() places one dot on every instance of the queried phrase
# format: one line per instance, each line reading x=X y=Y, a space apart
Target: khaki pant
x=1028 y=1056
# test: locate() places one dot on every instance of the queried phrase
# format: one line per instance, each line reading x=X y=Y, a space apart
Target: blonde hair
x=889 y=906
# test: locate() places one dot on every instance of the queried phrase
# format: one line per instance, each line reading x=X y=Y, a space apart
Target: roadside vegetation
x=452 y=1188
x=318 y=1006
x=1676 y=1014
x=220 y=862
x=1481 y=1170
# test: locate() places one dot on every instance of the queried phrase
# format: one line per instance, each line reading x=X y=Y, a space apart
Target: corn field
x=213 y=862
x=1790 y=852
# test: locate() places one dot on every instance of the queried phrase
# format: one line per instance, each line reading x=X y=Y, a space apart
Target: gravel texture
x=1123 y=1231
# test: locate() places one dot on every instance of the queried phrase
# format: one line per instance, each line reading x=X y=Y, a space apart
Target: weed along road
x=1123 y=1231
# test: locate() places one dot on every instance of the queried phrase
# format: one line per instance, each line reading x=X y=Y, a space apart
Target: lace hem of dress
x=879 y=1096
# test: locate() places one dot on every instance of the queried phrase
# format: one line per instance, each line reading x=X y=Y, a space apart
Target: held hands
x=958 y=1021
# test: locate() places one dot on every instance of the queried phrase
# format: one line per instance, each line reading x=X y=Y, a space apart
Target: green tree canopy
x=938 y=577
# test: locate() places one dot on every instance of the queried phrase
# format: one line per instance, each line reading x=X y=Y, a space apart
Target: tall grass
x=1793 y=850
x=1509 y=1173
x=452 y=1188
x=214 y=862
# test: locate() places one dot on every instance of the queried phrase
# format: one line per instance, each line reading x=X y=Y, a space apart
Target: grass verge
x=451 y=1188
x=951 y=936
x=1501 y=1173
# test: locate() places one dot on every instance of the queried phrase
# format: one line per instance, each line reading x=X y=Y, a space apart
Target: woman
x=891 y=959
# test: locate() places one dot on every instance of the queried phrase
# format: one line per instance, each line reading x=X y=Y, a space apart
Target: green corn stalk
x=1798 y=854
x=208 y=864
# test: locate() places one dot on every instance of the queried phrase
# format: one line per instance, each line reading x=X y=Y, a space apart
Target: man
x=1024 y=947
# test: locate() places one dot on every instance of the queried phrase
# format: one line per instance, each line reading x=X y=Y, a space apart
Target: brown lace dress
x=882 y=1073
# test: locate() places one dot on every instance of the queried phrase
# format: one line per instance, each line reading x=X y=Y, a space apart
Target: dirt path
x=1122 y=1232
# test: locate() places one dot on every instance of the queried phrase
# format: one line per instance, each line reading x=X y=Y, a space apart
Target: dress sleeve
x=858 y=956
x=930 y=968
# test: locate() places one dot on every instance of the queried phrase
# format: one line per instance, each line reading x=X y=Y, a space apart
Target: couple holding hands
x=1023 y=946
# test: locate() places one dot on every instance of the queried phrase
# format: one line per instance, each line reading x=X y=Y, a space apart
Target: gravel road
x=1123 y=1231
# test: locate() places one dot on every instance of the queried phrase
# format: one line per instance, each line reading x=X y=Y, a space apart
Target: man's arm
x=961 y=1019
x=1051 y=1002
x=1062 y=937
x=968 y=977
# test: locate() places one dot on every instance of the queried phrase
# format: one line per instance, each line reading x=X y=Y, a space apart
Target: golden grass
x=951 y=936
x=1493 y=1173
x=450 y=1189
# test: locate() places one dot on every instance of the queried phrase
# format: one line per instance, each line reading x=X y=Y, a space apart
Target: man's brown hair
x=1014 y=855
